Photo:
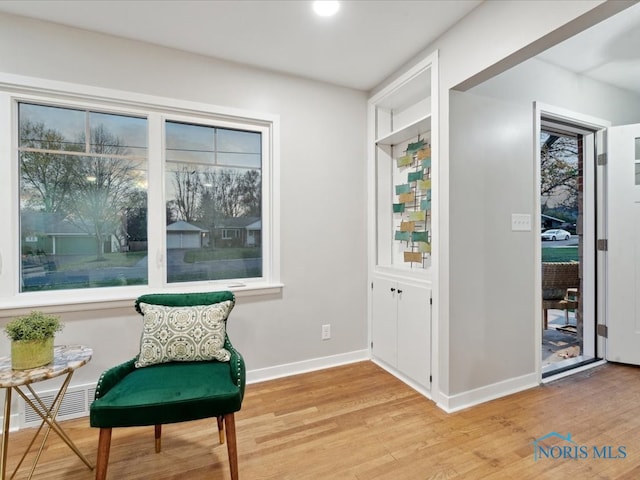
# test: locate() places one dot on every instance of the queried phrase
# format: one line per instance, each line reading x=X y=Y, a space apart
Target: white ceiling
x=608 y=52
x=363 y=44
x=358 y=48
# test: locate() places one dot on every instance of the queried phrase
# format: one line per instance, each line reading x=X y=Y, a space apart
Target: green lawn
x=230 y=253
x=559 y=254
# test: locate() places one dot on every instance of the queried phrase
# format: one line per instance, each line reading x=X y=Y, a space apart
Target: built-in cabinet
x=403 y=235
x=401 y=320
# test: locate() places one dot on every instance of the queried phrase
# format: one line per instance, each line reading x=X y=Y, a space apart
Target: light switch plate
x=520 y=222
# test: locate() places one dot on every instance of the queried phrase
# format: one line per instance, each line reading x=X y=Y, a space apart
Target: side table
x=67 y=359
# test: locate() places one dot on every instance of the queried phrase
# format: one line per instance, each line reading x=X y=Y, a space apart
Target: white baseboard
x=78 y=398
x=470 y=398
x=285 y=370
x=421 y=389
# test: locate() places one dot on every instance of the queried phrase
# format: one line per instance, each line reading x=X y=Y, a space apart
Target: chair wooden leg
x=230 y=426
x=158 y=437
x=221 y=429
x=545 y=318
x=104 y=445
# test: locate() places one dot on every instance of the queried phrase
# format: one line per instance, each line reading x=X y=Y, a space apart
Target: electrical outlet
x=326 y=332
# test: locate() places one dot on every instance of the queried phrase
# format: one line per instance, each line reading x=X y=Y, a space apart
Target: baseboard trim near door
x=470 y=398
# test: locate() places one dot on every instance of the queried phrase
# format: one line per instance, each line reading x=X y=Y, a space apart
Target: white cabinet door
x=414 y=332
x=401 y=328
x=384 y=332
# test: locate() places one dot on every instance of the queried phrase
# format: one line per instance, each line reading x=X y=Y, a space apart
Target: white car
x=556 y=234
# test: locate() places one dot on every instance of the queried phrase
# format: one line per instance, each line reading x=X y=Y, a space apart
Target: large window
x=214 y=202
x=83 y=198
x=128 y=194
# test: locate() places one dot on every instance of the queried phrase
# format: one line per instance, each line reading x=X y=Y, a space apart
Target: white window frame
x=15 y=88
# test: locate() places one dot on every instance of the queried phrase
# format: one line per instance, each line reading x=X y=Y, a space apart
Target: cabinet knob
x=399 y=291
x=393 y=289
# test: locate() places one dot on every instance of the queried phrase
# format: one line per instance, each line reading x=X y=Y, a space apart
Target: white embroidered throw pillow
x=183 y=334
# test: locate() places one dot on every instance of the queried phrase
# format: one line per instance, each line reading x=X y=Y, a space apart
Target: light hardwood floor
x=359 y=422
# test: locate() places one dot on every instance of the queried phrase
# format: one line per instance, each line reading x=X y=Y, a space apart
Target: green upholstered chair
x=177 y=391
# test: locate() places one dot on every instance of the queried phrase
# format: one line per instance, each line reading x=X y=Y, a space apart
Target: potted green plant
x=32 y=339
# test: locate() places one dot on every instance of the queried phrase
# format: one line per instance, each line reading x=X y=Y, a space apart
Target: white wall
x=494 y=37
x=492 y=304
x=497 y=298
x=552 y=85
x=495 y=121
x=323 y=181
x=491 y=141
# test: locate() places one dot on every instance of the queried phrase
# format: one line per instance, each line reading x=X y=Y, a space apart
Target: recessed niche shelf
x=407 y=132
x=402 y=130
x=402 y=178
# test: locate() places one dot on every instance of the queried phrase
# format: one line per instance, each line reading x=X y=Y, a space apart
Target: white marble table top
x=66 y=358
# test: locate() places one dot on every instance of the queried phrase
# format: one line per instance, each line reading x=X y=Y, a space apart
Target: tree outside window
x=559 y=176
x=82 y=181
x=214 y=202
x=84 y=198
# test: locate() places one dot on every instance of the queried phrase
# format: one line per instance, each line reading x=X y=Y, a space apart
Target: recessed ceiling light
x=326 y=8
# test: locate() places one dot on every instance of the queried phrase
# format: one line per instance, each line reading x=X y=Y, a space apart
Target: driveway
x=572 y=242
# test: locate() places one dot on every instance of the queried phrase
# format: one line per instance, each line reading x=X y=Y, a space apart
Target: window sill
x=101 y=299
